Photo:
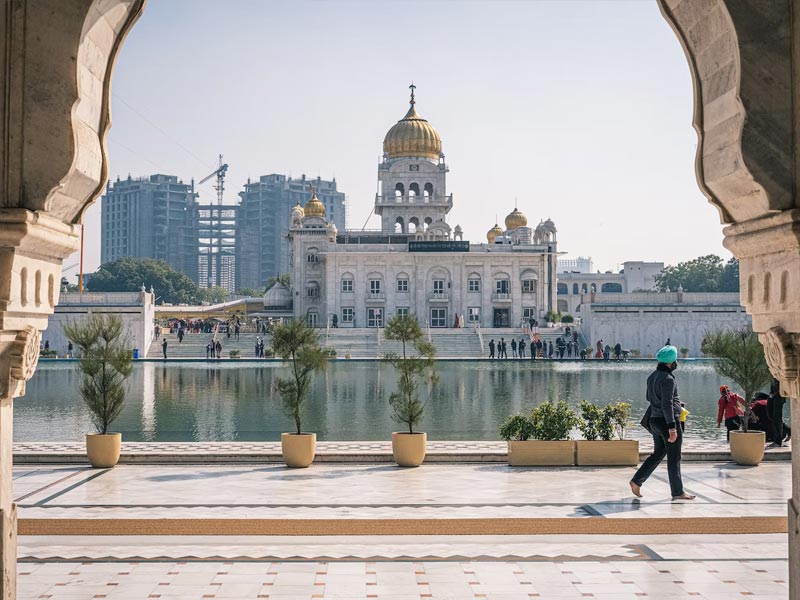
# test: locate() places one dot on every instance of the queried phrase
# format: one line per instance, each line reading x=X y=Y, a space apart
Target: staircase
x=194 y=345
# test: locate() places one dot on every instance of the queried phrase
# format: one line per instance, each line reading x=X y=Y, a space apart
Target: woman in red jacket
x=731 y=407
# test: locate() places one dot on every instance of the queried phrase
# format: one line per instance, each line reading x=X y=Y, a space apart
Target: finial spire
x=311 y=188
x=412 y=87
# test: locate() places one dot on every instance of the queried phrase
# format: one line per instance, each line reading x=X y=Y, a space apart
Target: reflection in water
x=236 y=400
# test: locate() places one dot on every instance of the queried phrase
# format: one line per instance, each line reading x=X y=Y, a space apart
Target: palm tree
x=741 y=359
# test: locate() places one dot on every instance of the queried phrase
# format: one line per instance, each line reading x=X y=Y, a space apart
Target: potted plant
x=408 y=447
x=684 y=352
x=295 y=341
x=604 y=430
x=543 y=438
x=740 y=358
x=635 y=352
x=105 y=364
x=235 y=354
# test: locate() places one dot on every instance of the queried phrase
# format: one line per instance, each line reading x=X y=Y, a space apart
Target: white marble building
x=416 y=263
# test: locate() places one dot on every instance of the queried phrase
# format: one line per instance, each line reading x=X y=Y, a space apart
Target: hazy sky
x=579 y=109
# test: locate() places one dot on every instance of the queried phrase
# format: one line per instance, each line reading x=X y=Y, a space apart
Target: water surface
x=234 y=400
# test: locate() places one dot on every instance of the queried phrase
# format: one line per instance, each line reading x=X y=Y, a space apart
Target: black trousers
x=732 y=424
x=775 y=412
x=662 y=448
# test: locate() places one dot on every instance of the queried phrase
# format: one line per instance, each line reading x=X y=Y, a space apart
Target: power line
x=164 y=133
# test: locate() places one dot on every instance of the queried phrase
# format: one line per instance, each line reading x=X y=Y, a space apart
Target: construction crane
x=220 y=175
x=215 y=233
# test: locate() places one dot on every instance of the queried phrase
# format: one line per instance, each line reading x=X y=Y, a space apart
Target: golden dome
x=412 y=136
x=493 y=233
x=515 y=220
x=297 y=211
x=314 y=208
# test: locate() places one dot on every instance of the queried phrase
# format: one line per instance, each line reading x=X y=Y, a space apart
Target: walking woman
x=665 y=413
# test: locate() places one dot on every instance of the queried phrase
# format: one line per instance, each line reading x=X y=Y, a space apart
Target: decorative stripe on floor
x=325 y=527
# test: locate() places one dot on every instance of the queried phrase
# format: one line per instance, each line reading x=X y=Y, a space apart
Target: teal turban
x=667 y=354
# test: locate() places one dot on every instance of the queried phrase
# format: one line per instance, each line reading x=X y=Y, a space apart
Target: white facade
x=646 y=320
x=417 y=263
x=574 y=289
x=135 y=309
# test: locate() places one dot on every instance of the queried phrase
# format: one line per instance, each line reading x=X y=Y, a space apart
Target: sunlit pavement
x=514 y=549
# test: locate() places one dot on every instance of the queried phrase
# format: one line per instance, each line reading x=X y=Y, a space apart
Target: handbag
x=645 y=422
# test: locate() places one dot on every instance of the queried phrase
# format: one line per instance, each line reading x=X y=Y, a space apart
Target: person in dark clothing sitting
x=664 y=418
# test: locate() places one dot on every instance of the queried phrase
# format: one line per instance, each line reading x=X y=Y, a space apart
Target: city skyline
x=580 y=112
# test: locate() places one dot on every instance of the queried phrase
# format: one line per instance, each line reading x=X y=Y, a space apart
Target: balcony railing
x=438 y=296
x=501 y=296
x=390 y=199
x=376 y=297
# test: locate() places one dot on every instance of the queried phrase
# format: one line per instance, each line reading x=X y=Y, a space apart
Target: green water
x=234 y=400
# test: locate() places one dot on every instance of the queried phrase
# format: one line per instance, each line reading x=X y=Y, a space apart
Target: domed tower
x=412 y=191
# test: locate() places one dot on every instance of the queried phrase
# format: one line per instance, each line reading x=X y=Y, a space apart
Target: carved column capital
x=782 y=351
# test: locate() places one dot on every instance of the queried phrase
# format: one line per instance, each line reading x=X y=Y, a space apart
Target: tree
x=741 y=359
x=729 y=280
x=105 y=364
x=130 y=274
x=215 y=294
x=284 y=278
x=407 y=408
x=248 y=292
x=299 y=343
x=702 y=274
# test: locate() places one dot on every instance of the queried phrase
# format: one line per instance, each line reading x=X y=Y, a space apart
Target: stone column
x=32 y=246
x=769 y=265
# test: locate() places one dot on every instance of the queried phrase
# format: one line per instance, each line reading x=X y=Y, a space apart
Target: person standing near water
x=164 y=348
x=664 y=423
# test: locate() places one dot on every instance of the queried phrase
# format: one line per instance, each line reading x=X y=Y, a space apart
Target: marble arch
x=58 y=62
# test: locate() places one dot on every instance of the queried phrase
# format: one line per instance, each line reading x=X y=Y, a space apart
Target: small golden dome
x=493 y=233
x=515 y=220
x=412 y=136
x=314 y=208
x=297 y=211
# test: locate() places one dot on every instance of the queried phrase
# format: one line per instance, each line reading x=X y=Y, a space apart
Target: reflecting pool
x=234 y=400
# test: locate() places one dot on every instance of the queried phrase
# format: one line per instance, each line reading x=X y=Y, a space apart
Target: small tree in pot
x=414 y=369
x=295 y=341
x=740 y=358
x=105 y=364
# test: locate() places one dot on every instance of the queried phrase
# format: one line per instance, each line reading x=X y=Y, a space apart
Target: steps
x=194 y=345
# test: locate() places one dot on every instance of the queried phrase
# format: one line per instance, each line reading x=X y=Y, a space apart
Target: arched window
x=561 y=288
x=575 y=288
x=347 y=283
x=428 y=191
x=313 y=256
x=312 y=289
x=413 y=189
x=593 y=288
x=413 y=225
x=474 y=282
x=611 y=288
x=399 y=189
x=428 y=222
x=399 y=225
x=584 y=289
x=563 y=307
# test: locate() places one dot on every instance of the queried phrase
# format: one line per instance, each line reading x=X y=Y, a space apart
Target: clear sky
x=581 y=110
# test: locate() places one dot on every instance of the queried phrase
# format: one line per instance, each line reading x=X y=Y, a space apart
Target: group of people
x=500 y=349
x=604 y=351
x=213 y=349
x=766 y=414
x=259 y=348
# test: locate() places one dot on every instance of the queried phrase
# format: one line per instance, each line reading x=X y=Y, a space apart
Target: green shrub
x=516 y=428
x=635 y=352
x=553 y=421
x=104 y=366
x=591 y=416
x=48 y=354
x=684 y=350
x=567 y=319
x=618 y=416
x=330 y=352
x=235 y=353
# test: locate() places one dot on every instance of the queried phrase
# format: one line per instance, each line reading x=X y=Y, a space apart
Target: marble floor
x=654 y=564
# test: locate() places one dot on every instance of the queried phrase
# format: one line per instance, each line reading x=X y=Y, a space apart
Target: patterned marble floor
x=445 y=567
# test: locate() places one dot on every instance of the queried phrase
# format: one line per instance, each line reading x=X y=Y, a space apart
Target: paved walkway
x=345 y=451
x=236 y=532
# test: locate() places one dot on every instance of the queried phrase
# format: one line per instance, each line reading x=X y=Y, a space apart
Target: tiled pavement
x=444 y=567
x=361 y=451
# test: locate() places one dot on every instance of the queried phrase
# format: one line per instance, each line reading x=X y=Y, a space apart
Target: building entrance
x=501 y=317
x=438 y=317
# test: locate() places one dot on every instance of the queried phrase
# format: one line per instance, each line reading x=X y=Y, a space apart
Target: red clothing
x=730 y=406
